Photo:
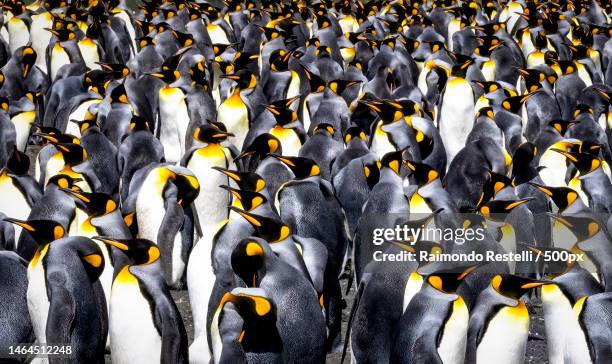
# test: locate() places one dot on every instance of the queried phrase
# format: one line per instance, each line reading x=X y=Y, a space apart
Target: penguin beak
x=21 y=223
x=567 y=155
x=511 y=206
x=157 y=75
x=76 y=194
x=230 y=77
x=222 y=134
x=109 y=241
x=26 y=70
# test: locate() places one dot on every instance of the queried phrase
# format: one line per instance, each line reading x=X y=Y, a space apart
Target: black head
x=42 y=231
x=270 y=229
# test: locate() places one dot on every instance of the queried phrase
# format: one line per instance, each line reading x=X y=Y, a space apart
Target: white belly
x=505 y=338
x=290 y=142
x=380 y=143
x=454 y=335
x=59 y=57
x=19 y=35
x=89 y=51
x=174 y=120
x=236 y=119
x=121 y=14
x=23 y=123
x=150 y=212
x=456 y=116
x=212 y=201
x=38 y=302
x=133 y=336
x=79 y=114
x=200 y=281
x=488 y=70
x=41 y=37
x=217 y=34
x=413 y=285
x=14 y=203
x=554 y=173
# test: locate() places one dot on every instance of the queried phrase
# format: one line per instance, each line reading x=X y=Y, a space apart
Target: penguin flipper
x=174 y=337
x=61 y=309
x=596 y=316
x=425 y=348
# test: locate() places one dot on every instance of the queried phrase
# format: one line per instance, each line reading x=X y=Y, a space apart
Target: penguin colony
x=246 y=150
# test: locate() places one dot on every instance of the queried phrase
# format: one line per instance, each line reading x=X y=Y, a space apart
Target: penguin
x=138 y=149
x=499 y=323
x=434 y=326
x=569 y=283
x=7 y=132
x=143 y=319
x=234 y=112
x=322 y=148
x=62 y=51
x=173 y=117
x=44 y=232
x=77 y=307
x=102 y=155
x=245 y=322
x=303 y=337
x=19 y=190
x=456 y=116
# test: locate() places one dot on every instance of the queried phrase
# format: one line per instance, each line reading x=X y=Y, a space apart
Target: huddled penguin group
x=249 y=151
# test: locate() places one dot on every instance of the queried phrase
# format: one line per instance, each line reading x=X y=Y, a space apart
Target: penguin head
x=339 y=86
x=271 y=229
x=139 y=123
x=514 y=103
x=279 y=60
x=393 y=161
x=95 y=80
x=284 y=116
x=187 y=184
x=561 y=196
x=486 y=113
x=246 y=181
x=582 y=109
x=64 y=181
x=244 y=79
x=316 y=83
x=72 y=153
x=18 y=163
x=139 y=251
x=392 y=110
x=63 y=34
x=371 y=172
x=488 y=86
x=247 y=260
x=560 y=126
x=587 y=146
x=210 y=134
x=447 y=280
x=95 y=203
x=197 y=72
x=584 y=162
x=146 y=41
x=495 y=182
x=533 y=78
x=461 y=64
x=119 y=95
x=496 y=210
x=263 y=145
x=184 y=40
x=115 y=71
x=489 y=44
x=27 y=60
x=2 y=98
x=52 y=135
x=300 y=166
x=563 y=68
x=354 y=132
x=42 y=231
x=88 y=122
x=422 y=173
x=583 y=227
x=513 y=286
x=245 y=200
x=325 y=128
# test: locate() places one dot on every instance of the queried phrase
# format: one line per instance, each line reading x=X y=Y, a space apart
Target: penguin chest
x=38 y=301
x=289 y=139
x=555 y=169
x=565 y=338
x=59 y=58
x=79 y=114
x=454 y=335
x=418 y=204
x=234 y=113
x=174 y=120
x=488 y=70
x=150 y=208
x=381 y=144
x=19 y=34
x=89 y=51
x=413 y=286
x=23 y=122
x=216 y=34
x=505 y=338
x=293 y=89
x=456 y=116
x=41 y=36
x=133 y=336
x=212 y=201
x=14 y=203
x=54 y=165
